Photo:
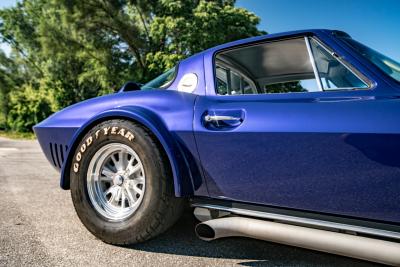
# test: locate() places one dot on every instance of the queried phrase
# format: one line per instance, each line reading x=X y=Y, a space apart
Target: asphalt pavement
x=39 y=227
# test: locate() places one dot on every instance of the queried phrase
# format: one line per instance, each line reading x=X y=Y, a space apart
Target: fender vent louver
x=62 y=153
x=57 y=154
x=52 y=154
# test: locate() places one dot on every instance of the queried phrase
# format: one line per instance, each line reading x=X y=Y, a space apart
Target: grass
x=17 y=135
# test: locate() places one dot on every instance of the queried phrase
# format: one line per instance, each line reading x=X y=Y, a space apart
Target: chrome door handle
x=210 y=118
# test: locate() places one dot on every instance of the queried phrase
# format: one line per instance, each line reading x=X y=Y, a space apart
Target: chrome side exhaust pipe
x=364 y=248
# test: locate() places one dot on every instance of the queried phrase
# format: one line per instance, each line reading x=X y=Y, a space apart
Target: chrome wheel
x=116 y=181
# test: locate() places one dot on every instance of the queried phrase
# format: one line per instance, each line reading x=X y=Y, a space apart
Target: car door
x=313 y=135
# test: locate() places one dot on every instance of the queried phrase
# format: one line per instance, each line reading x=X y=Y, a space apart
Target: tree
x=73 y=50
x=10 y=78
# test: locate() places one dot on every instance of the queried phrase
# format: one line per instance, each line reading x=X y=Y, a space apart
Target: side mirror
x=130 y=86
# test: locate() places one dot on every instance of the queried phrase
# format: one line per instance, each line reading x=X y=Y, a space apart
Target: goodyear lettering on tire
x=114 y=130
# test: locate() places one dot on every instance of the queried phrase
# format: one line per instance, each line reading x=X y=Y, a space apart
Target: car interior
x=283 y=66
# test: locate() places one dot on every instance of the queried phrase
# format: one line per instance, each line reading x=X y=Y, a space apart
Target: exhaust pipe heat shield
x=332 y=242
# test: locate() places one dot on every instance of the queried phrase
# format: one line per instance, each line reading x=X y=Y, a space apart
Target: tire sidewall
x=133 y=136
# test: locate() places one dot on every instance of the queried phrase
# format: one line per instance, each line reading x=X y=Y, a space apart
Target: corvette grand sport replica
x=292 y=138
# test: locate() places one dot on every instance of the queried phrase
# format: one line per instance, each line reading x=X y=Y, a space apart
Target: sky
x=375 y=23
x=6 y=3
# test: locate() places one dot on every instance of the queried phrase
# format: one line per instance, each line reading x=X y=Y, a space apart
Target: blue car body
x=334 y=153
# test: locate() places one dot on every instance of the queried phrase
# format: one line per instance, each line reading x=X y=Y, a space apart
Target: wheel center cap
x=118 y=180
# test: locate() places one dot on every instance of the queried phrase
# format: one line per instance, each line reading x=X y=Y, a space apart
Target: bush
x=27 y=107
x=3 y=123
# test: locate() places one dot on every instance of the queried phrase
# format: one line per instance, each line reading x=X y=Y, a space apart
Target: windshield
x=161 y=81
x=386 y=64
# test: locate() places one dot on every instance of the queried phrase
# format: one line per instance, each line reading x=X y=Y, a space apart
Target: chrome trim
x=312 y=60
x=209 y=118
x=303 y=221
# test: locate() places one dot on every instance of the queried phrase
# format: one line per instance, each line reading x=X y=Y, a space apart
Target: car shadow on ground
x=181 y=240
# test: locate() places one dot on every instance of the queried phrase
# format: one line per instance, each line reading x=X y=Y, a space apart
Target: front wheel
x=121 y=184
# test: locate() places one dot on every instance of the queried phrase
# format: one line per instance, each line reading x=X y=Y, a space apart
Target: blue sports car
x=292 y=138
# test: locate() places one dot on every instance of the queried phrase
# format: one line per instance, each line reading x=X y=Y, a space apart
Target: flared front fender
x=183 y=180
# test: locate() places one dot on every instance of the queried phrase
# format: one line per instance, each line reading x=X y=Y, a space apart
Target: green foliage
x=286 y=87
x=29 y=106
x=65 y=51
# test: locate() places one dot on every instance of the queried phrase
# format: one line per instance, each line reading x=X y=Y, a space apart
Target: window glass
x=284 y=66
x=386 y=64
x=274 y=67
x=235 y=83
x=247 y=89
x=161 y=81
x=333 y=74
x=230 y=81
x=222 y=81
x=307 y=85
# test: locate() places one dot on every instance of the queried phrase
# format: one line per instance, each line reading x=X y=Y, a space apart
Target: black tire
x=159 y=208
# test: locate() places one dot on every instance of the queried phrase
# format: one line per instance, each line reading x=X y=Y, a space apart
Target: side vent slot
x=52 y=154
x=57 y=156
x=62 y=154
x=58 y=153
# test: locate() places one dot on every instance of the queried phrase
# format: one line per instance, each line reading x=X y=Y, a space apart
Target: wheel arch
x=148 y=119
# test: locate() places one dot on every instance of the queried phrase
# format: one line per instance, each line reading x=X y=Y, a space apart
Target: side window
x=274 y=67
x=231 y=81
x=287 y=66
x=222 y=80
x=333 y=74
x=305 y=85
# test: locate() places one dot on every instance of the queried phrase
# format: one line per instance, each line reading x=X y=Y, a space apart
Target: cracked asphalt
x=39 y=227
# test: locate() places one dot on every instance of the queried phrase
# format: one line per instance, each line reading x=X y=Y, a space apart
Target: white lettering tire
x=121 y=184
